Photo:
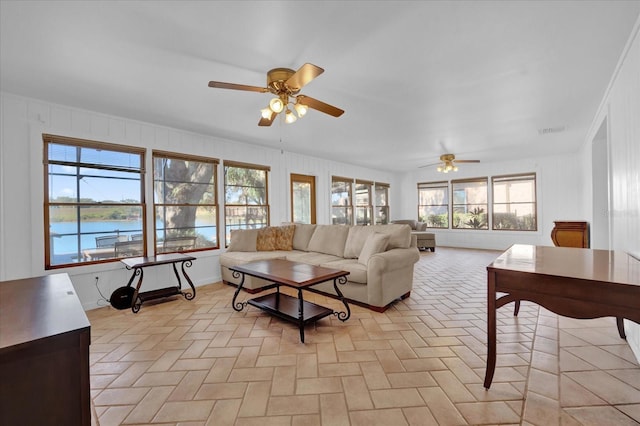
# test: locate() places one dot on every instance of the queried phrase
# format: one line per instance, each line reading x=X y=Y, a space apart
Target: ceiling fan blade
x=466 y=161
x=429 y=165
x=303 y=76
x=221 y=85
x=320 y=106
x=267 y=121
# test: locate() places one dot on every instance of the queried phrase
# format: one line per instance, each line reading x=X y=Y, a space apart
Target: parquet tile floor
x=421 y=362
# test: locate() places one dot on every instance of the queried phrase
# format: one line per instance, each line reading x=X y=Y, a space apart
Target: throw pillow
x=266 y=240
x=284 y=237
x=356 y=239
x=243 y=240
x=375 y=243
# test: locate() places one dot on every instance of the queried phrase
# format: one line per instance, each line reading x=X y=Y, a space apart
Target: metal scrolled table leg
x=192 y=295
x=135 y=300
x=342 y=316
x=239 y=305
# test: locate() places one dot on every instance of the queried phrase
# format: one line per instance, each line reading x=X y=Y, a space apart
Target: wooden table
x=573 y=282
x=44 y=353
x=295 y=275
x=137 y=264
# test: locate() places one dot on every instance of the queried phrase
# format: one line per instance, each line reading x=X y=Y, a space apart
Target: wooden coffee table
x=295 y=275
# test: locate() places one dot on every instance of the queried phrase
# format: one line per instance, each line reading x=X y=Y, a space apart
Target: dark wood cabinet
x=570 y=234
x=44 y=353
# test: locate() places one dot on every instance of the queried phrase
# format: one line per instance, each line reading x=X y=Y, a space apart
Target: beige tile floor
x=421 y=362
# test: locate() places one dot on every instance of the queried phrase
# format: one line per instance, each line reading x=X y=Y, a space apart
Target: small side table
x=137 y=264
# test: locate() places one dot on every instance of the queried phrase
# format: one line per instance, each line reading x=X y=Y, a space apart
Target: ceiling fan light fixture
x=276 y=105
x=289 y=117
x=300 y=109
x=266 y=112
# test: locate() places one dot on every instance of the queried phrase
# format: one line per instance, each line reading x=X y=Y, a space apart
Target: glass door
x=303 y=198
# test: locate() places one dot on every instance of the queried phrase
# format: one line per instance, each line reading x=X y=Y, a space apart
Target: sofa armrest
x=393 y=259
x=390 y=275
x=421 y=226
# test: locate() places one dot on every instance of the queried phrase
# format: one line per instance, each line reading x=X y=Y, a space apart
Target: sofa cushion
x=302 y=235
x=310 y=257
x=357 y=271
x=376 y=243
x=236 y=258
x=329 y=239
x=243 y=240
x=284 y=237
x=266 y=240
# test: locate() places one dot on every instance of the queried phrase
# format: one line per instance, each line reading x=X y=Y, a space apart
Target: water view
x=66 y=249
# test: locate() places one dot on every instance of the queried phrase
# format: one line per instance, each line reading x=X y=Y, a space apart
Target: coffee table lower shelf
x=288 y=308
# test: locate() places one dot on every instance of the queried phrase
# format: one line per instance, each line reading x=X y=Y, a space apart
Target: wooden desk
x=137 y=264
x=295 y=275
x=44 y=353
x=573 y=282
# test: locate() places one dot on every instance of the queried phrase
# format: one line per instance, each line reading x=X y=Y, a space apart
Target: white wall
x=620 y=109
x=559 y=197
x=24 y=120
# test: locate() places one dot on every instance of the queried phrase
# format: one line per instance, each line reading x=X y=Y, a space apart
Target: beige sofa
x=379 y=258
x=424 y=240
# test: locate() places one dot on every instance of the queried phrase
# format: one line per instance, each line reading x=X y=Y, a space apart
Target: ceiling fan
x=286 y=83
x=448 y=163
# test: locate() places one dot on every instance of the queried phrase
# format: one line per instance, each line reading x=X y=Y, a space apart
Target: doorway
x=600 y=233
x=303 y=198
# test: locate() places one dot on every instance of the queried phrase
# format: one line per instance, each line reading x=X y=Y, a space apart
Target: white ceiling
x=416 y=79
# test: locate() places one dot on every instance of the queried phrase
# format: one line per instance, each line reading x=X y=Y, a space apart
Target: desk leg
x=516 y=308
x=491 y=329
x=301 y=314
x=620 y=323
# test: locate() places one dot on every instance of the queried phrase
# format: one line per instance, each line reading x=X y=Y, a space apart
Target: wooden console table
x=573 y=282
x=44 y=353
x=295 y=275
x=137 y=264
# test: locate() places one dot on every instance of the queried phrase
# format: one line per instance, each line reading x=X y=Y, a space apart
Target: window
x=514 y=202
x=303 y=198
x=341 y=206
x=382 y=203
x=93 y=201
x=364 y=207
x=245 y=197
x=469 y=203
x=185 y=202
x=433 y=204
